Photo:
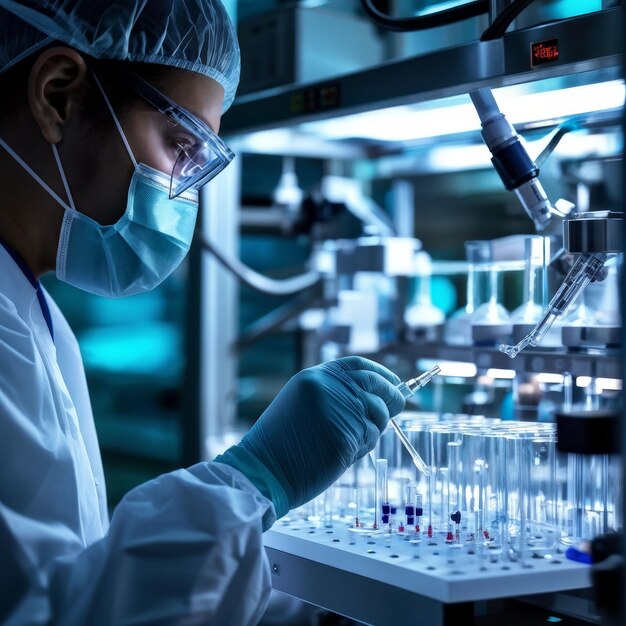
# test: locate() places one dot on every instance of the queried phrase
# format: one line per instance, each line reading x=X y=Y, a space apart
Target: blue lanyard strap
x=45 y=310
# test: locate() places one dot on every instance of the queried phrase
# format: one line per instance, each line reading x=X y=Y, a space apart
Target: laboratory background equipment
x=429 y=255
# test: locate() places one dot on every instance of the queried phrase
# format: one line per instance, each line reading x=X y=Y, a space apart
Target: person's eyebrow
x=193 y=113
x=202 y=119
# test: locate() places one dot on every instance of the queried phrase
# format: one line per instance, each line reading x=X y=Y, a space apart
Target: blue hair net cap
x=195 y=35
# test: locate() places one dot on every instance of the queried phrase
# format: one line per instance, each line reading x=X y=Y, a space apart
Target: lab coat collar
x=16 y=286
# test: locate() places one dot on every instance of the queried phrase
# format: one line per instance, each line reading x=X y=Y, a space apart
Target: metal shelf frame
x=589 y=51
x=595 y=363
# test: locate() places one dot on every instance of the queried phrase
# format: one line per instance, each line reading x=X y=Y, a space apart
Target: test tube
x=419 y=511
x=382 y=499
x=357 y=507
x=393 y=512
x=328 y=513
x=438 y=486
x=410 y=504
x=432 y=480
x=363 y=486
x=479 y=468
x=498 y=499
x=568 y=391
x=454 y=471
x=448 y=513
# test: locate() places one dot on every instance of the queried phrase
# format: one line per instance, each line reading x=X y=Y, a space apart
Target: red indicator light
x=544 y=52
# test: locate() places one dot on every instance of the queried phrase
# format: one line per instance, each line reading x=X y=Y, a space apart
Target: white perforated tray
x=430 y=568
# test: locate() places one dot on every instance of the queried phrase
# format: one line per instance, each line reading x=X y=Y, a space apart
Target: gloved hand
x=323 y=420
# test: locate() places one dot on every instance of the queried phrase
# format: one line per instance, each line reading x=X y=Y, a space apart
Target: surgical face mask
x=136 y=253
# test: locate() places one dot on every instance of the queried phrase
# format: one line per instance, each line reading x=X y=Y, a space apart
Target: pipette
x=407 y=389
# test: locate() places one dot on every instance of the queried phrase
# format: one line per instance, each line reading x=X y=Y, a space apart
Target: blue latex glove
x=322 y=421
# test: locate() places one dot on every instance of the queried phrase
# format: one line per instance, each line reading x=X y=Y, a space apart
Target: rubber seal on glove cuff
x=258 y=474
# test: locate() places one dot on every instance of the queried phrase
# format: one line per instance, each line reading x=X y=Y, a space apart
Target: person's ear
x=55 y=87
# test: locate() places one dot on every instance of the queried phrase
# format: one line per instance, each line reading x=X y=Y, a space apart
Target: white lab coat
x=185 y=548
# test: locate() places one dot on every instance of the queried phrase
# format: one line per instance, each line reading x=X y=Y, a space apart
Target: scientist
x=109 y=111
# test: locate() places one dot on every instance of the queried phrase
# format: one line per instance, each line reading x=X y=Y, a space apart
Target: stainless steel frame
x=219 y=312
x=588 y=43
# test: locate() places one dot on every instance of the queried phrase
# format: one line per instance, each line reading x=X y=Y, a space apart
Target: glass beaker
x=594 y=496
x=422 y=318
x=533 y=527
x=444 y=481
x=491 y=322
x=458 y=328
x=535 y=297
x=476 y=478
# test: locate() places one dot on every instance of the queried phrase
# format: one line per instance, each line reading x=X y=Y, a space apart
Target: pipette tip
x=423 y=379
x=511 y=351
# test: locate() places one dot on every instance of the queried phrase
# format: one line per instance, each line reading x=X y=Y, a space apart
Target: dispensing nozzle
x=586 y=268
x=409 y=387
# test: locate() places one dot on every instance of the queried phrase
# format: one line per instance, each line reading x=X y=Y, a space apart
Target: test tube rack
x=383 y=578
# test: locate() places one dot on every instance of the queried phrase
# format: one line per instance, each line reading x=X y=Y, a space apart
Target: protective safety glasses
x=195 y=164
